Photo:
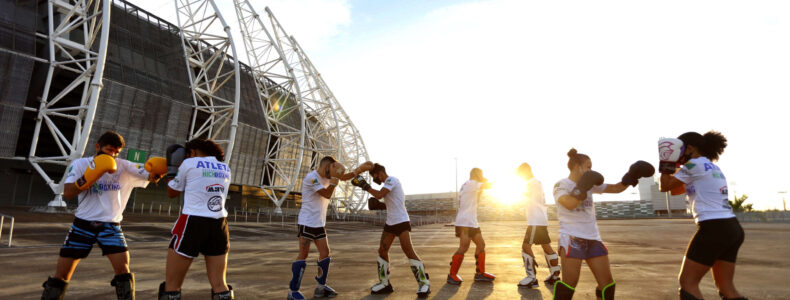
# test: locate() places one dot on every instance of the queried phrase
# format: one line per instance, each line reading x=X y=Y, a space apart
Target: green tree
x=737 y=203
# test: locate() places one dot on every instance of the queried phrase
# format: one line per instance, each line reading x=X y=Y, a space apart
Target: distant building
x=648 y=190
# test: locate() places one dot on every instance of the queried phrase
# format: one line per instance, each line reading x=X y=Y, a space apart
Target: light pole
x=784 y=204
x=456 y=177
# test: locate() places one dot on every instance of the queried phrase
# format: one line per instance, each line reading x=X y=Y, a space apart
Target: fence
x=287 y=215
x=10 y=228
x=764 y=216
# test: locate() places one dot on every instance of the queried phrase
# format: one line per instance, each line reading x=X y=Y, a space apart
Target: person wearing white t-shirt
x=719 y=235
x=468 y=230
x=317 y=188
x=102 y=184
x=397 y=225
x=579 y=239
x=204 y=179
x=537 y=231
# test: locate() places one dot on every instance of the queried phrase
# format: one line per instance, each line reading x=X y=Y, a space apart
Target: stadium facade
x=162 y=84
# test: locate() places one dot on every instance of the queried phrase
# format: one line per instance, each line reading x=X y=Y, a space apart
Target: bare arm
x=70 y=190
x=172 y=193
x=329 y=190
x=615 y=188
x=569 y=202
x=669 y=182
x=378 y=194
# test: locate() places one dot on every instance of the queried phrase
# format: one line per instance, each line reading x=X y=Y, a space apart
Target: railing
x=10 y=228
x=287 y=216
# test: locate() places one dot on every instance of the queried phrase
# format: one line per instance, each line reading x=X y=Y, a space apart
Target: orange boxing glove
x=102 y=163
x=156 y=165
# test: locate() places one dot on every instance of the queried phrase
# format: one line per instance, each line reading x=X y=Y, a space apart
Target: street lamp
x=784 y=204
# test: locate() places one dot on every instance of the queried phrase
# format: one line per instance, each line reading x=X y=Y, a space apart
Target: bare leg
x=65 y=268
x=691 y=272
x=600 y=269
x=385 y=243
x=216 y=268
x=175 y=270
x=304 y=248
x=323 y=248
x=120 y=262
x=463 y=245
x=405 y=244
x=571 y=267
x=480 y=244
x=723 y=273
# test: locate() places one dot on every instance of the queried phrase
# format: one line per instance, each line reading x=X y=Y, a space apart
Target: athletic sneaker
x=487 y=277
x=424 y=290
x=552 y=279
x=295 y=295
x=381 y=289
x=528 y=282
x=324 y=292
x=455 y=281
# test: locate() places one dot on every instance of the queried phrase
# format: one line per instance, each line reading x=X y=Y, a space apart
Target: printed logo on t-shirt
x=213 y=174
x=215 y=188
x=556 y=187
x=690 y=166
x=100 y=188
x=214 y=203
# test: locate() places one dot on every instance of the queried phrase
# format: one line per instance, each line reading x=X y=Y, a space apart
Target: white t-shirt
x=536 y=203
x=106 y=199
x=313 y=211
x=467 y=204
x=205 y=182
x=706 y=188
x=579 y=222
x=395 y=201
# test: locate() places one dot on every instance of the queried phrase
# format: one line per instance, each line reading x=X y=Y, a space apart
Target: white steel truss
x=278 y=93
x=78 y=32
x=206 y=39
x=351 y=149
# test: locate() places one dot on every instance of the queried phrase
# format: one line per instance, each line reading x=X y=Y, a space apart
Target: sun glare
x=506 y=191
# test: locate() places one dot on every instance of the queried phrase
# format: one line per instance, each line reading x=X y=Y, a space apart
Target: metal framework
x=78 y=32
x=351 y=149
x=206 y=39
x=278 y=93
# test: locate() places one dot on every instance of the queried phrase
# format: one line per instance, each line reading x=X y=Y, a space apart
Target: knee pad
x=607 y=293
x=124 y=286
x=54 y=289
x=563 y=291
x=164 y=295
x=686 y=296
x=226 y=295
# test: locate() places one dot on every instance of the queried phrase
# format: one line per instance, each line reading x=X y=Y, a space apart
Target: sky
x=440 y=86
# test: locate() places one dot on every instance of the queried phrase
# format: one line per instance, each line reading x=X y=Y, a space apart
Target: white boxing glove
x=669 y=152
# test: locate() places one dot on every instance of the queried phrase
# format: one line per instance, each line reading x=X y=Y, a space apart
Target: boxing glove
x=360 y=182
x=638 y=170
x=669 y=152
x=336 y=170
x=174 y=156
x=376 y=204
x=157 y=166
x=586 y=182
x=102 y=163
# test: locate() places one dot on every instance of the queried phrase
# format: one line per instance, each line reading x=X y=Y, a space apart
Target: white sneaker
x=528 y=282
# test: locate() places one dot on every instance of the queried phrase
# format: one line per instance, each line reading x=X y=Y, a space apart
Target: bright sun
x=506 y=190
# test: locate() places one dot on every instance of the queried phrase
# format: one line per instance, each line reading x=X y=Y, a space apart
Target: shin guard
x=323 y=270
x=455 y=265
x=383 y=287
x=607 y=293
x=480 y=268
x=54 y=289
x=165 y=295
x=554 y=269
x=418 y=268
x=124 y=286
x=297 y=270
x=563 y=291
x=686 y=295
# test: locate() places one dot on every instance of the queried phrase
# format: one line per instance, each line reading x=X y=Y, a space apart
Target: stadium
x=73 y=69
x=66 y=79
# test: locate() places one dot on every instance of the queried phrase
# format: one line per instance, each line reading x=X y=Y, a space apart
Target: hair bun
x=572 y=152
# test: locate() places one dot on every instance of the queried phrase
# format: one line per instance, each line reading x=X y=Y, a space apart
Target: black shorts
x=470 y=231
x=311 y=233
x=397 y=229
x=83 y=234
x=537 y=235
x=717 y=239
x=193 y=235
